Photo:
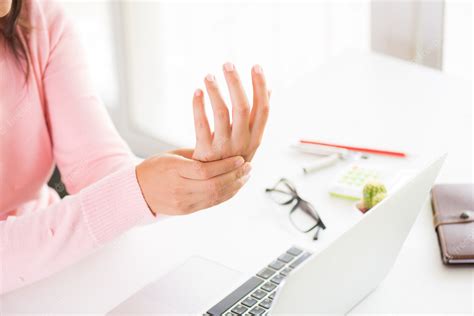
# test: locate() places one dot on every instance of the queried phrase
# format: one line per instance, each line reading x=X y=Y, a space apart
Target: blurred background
x=148 y=57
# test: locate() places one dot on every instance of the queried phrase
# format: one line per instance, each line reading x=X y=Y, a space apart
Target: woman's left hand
x=241 y=137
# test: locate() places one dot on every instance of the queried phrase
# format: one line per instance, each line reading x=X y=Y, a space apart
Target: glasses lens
x=282 y=192
x=304 y=217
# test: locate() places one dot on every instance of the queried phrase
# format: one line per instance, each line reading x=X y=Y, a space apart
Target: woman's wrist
x=177 y=185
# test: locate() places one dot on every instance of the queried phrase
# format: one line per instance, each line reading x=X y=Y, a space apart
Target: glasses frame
x=301 y=203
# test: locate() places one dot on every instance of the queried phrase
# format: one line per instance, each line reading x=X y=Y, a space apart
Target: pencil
x=360 y=149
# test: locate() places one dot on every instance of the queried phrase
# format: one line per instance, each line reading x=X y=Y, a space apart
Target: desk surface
x=408 y=107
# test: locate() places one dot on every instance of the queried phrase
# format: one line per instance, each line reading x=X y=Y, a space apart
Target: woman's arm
x=97 y=166
x=99 y=170
x=86 y=145
x=36 y=245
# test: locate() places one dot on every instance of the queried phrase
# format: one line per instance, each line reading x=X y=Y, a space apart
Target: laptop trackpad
x=191 y=288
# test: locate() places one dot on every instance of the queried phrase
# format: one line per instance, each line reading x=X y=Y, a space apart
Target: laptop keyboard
x=255 y=296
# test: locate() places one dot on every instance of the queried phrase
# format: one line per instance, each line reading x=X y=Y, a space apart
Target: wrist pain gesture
x=185 y=181
x=174 y=184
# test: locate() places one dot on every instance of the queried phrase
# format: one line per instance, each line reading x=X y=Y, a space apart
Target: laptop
x=298 y=282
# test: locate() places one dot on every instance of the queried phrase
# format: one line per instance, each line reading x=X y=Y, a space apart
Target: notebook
x=453 y=216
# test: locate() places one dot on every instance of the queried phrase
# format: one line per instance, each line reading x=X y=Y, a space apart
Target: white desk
x=408 y=107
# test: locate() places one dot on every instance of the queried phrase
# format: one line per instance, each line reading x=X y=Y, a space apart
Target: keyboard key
x=277 y=278
x=249 y=302
x=230 y=314
x=294 y=251
x=298 y=261
x=266 y=273
x=277 y=265
x=272 y=296
x=235 y=296
x=285 y=271
x=259 y=294
x=256 y=311
x=268 y=287
x=239 y=310
x=286 y=257
x=266 y=303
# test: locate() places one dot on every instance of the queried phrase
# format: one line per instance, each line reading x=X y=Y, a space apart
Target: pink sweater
x=58 y=119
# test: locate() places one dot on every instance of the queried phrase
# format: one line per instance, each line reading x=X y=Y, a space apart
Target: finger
x=201 y=124
x=261 y=94
x=225 y=193
x=197 y=170
x=260 y=109
x=231 y=189
x=221 y=184
x=230 y=192
x=221 y=113
x=240 y=104
x=206 y=203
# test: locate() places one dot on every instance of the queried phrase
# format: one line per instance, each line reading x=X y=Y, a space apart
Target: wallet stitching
x=441 y=239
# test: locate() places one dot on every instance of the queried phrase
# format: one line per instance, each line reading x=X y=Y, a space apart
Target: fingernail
x=228 y=66
x=210 y=78
x=258 y=69
x=247 y=168
x=197 y=93
x=239 y=161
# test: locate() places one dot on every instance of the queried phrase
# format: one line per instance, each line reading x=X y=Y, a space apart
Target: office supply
x=298 y=282
x=321 y=163
x=318 y=149
x=303 y=215
x=453 y=217
x=350 y=182
x=328 y=161
x=360 y=149
x=331 y=156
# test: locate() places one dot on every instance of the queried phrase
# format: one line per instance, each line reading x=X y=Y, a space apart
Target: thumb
x=198 y=170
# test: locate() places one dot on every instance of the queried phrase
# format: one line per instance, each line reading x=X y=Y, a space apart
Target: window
x=160 y=51
x=170 y=47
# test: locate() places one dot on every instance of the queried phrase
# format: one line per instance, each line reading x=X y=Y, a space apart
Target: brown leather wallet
x=453 y=217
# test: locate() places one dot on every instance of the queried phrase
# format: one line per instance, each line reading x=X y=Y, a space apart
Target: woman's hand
x=174 y=184
x=244 y=135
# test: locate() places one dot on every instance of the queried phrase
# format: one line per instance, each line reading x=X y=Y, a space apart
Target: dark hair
x=10 y=27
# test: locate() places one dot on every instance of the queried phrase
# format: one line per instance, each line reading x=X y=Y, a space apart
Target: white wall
x=458 y=39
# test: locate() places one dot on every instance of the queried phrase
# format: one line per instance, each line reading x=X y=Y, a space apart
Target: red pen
x=360 y=149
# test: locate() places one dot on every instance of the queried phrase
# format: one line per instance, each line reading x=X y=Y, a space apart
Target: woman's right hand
x=174 y=184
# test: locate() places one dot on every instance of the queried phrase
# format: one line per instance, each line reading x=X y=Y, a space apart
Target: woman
x=50 y=115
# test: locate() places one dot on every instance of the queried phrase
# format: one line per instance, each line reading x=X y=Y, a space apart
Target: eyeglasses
x=302 y=215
